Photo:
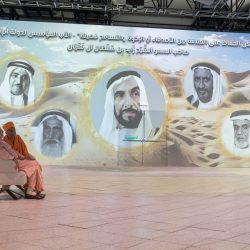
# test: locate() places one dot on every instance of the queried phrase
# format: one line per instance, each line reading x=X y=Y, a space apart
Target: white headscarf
x=67 y=130
x=241 y=115
x=109 y=129
x=219 y=88
x=5 y=94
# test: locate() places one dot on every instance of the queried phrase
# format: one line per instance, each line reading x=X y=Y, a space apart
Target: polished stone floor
x=132 y=208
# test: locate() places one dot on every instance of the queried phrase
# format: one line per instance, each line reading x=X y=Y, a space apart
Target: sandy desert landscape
x=188 y=138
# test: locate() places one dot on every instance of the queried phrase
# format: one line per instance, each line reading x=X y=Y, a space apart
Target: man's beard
x=52 y=148
x=132 y=122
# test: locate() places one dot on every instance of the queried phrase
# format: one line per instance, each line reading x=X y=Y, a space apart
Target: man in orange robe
x=32 y=169
x=15 y=141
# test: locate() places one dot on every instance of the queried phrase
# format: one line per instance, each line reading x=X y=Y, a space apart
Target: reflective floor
x=132 y=208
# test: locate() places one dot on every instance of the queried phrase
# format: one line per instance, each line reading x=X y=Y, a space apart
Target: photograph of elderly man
x=54 y=135
x=17 y=88
x=205 y=86
x=126 y=110
x=241 y=128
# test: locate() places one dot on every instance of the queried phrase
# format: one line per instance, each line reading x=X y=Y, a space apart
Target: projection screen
x=88 y=95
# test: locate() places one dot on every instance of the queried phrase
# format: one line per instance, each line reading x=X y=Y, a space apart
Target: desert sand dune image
x=243 y=87
x=194 y=133
x=198 y=144
x=234 y=77
x=188 y=137
x=242 y=83
x=60 y=78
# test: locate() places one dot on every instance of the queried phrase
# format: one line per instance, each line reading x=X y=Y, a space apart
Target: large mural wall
x=86 y=95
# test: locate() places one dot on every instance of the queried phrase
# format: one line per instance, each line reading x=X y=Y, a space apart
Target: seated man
x=15 y=141
x=32 y=169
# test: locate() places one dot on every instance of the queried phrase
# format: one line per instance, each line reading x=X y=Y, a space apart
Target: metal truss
x=221 y=15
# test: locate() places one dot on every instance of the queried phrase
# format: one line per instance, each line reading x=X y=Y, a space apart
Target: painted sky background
x=53 y=52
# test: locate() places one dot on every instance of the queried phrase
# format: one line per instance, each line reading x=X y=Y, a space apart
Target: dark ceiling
x=218 y=15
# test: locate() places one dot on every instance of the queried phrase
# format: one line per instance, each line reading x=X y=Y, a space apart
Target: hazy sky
x=53 y=51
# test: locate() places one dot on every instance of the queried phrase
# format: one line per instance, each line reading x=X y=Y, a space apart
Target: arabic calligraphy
x=125 y=44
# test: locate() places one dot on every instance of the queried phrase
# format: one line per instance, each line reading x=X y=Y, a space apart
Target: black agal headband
x=22 y=65
x=122 y=74
x=240 y=113
x=207 y=65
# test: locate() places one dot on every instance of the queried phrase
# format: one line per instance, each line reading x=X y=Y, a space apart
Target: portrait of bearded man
x=55 y=133
x=126 y=110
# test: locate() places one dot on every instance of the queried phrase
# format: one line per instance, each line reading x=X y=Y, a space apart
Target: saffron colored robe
x=32 y=168
x=18 y=145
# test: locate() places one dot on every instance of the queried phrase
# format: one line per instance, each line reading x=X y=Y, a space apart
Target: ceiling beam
x=106 y=12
